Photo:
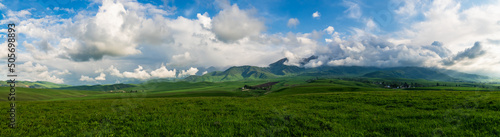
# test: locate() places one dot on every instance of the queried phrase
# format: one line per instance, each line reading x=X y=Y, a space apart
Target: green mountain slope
x=411 y=73
x=279 y=69
x=234 y=74
x=464 y=76
x=344 y=71
x=99 y=87
x=37 y=84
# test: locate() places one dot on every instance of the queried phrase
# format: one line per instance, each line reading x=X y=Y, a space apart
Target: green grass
x=31 y=94
x=304 y=106
x=371 y=113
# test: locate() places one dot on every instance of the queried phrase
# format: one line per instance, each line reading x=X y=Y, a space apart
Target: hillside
x=411 y=73
x=234 y=74
x=279 y=69
x=99 y=87
x=37 y=84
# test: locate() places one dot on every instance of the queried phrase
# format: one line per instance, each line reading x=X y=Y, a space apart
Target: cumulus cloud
x=101 y=76
x=316 y=14
x=116 y=30
x=205 y=20
x=114 y=71
x=42 y=51
x=163 y=72
x=366 y=49
x=451 y=23
x=103 y=34
x=470 y=53
x=138 y=73
x=181 y=42
x=330 y=30
x=320 y=61
x=37 y=72
x=86 y=78
x=232 y=24
x=124 y=33
x=190 y=71
x=293 y=22
x=439 y=48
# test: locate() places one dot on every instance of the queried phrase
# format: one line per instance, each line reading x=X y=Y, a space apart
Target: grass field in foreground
x=361 y=113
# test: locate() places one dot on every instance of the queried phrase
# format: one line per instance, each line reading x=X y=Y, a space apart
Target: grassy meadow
x=293 y=107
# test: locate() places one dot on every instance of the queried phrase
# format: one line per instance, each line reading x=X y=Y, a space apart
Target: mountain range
x=279 y=69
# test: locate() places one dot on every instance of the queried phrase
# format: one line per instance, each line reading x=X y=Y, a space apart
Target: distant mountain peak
x=280 y=62
x=304 y=61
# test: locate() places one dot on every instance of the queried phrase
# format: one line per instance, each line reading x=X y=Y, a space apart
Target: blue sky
x=102 y=42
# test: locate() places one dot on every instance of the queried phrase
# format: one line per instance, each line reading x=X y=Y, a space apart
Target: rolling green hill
x=464 y=76
x=411 y=73
x=99 y=87
x=37 y=84
x=319 y=107
x=234 y=74
x=339 y=71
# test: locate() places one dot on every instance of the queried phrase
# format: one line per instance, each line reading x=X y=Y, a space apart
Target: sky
x=112 y=41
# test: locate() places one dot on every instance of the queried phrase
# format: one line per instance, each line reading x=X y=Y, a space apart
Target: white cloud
x=163 y=72
x=114 y=71
x=233 y=24
x=124 y=33
x=293 y=22
x=330 y=30
x=37 y=72
x=190 y=71
x=370 y=25
x=205 y=20
x=64 y=9
x=2 y=6
x=316 y=14
x=317 y=62
x=22 y=13
x=64 y=72
x=447 y=21
x=101 y=76
x=182 y=59
x=205 y=72
x=138 y=73
x=86 y=78
x=409 y=9
x=181 y=42
x=366 y=49
x=4 y=53
x=353 y=9
x=458 y=26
